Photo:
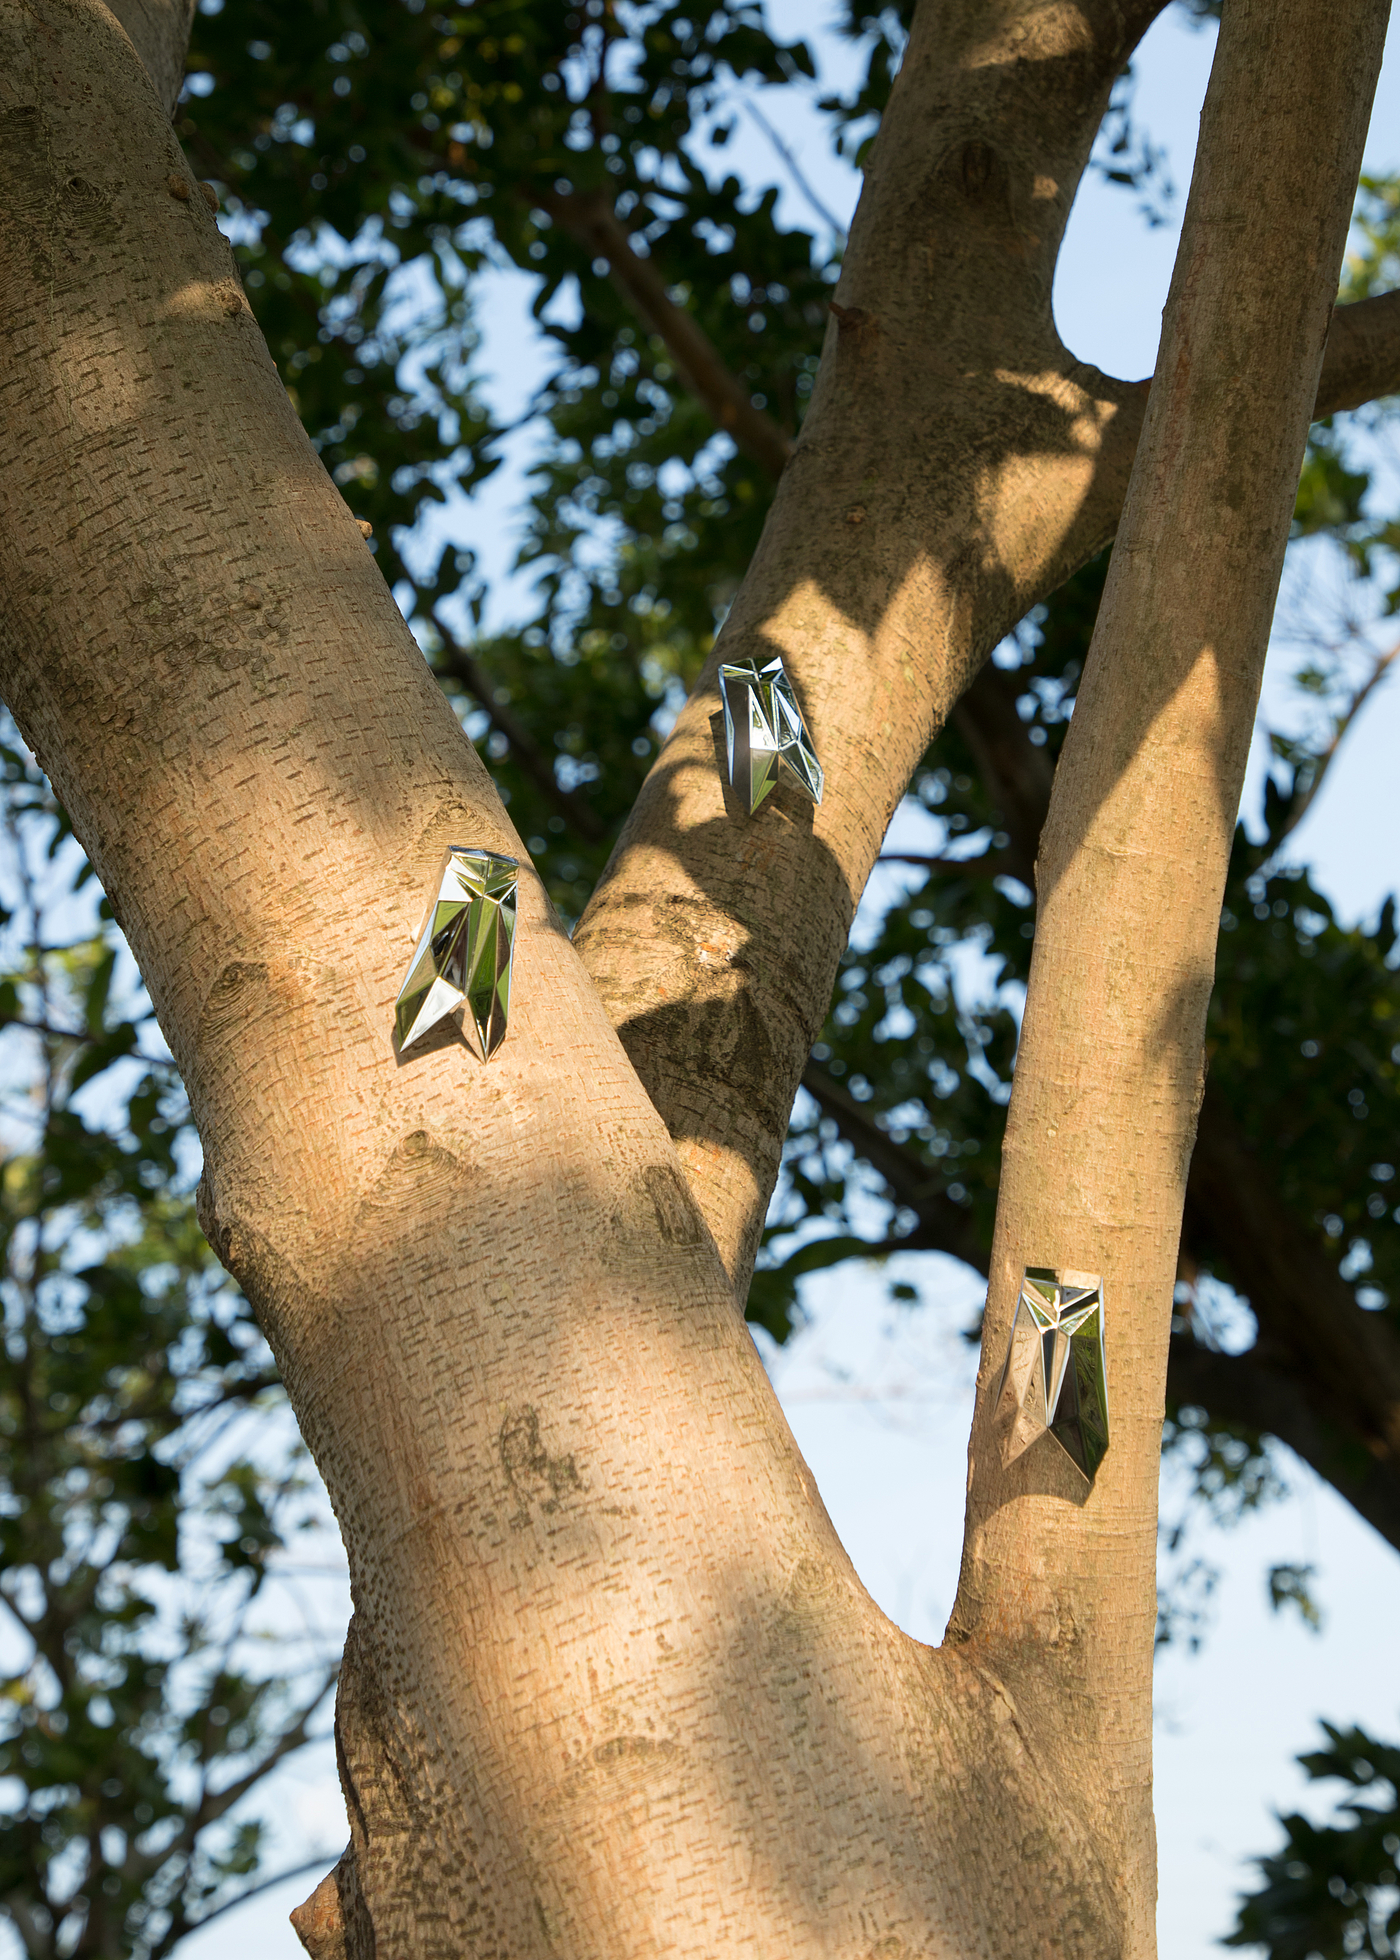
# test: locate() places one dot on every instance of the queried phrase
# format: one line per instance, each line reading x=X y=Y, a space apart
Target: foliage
x=135 y=1532
x=1333 y=1891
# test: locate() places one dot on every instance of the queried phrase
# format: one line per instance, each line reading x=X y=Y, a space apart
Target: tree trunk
x=613 y=1686
x=1058 y=1581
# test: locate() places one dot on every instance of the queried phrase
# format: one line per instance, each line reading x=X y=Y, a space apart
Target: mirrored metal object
x=1054 y=1378
x=765 y=732
x=464 y=951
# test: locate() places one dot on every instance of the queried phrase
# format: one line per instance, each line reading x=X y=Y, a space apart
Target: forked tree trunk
x=614 y=1688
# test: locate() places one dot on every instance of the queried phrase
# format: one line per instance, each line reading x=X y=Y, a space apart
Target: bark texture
x=1131 y=874
x=932 y=496
x=159 y=31
x=956 y=464
x=614 y=1687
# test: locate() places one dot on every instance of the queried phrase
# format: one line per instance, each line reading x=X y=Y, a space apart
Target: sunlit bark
x=613 y=1687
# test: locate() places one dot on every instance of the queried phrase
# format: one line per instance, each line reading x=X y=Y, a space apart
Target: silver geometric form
x=464 y=951
x=765 y=732
x=1054 y=1380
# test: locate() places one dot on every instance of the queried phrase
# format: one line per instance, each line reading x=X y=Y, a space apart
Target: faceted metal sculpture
x=1054 y=1378
x=765 y=732
x=464 y=951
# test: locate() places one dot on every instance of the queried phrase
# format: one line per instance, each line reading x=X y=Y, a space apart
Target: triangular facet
x=764 y=731
x=464 y=951
x=421 y=1012
x=1054 y=1380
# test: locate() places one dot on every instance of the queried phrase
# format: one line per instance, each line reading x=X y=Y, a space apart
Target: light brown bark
x=160 y=33
x=618 y=1689
x=614 y=1688
x=1058 y=1580
x=589 y=216
x=931 y=498
x=956 y=464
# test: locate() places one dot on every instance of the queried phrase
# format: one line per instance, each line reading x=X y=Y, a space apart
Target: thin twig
x=46 y=1027
x=1340 y=727
x=990 y=864
x=798 y=176
x=590 y=217
x=330 y=1858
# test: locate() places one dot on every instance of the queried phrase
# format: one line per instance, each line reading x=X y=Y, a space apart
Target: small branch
x=464 y=667
x=989 y=864
x=252 y=1891
x=796 y=171
x=1248 y=1392
x=1346 y=1361
x=46 y=1028
x=943 y=1226
x=1362 y=362
x=1344 y=721
x=589 y=217
x=1361 y=365
x=213 y=1805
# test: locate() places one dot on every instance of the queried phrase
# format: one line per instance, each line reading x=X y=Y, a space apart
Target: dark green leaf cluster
x=1333 y=1890
x=134 y=1530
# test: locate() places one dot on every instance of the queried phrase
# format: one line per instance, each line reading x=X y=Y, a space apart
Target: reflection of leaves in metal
x=1054 y=1379
x=464 y=951
x=764 y=731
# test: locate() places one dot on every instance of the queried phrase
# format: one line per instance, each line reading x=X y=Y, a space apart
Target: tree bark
x=159 y=31
x=614 y=1686
x=1058 y=1579
x=955 y=466
x=949 y=443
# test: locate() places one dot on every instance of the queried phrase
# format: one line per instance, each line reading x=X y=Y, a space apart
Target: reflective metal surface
x=765 y=732
x=464 y=951
x=1054 y=1378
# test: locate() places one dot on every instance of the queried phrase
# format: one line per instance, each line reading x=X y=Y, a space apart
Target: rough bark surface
x=159 y=31
x=931 y=497
x=615 y=1687
x=956 y=464
x=1131 y=874
x=1324 y=1375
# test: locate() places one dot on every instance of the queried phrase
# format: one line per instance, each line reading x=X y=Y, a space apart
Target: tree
x=135 y=1711
x=1331 y=1889
x=603 y=1632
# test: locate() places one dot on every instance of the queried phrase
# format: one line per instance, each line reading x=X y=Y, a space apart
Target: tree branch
x=160 y=33
x=1249 y=1392
x=187 y=1926
x=1085 y=415
x=1302 y=804
x=797 y=173
x=1130 y=876
x=984 y=864
x=590 y=218
x=1348 y=1359
x=943 y=1226
x=947 y=445
x=499 y=1315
